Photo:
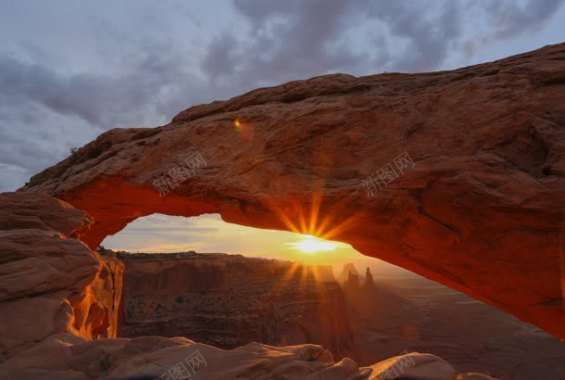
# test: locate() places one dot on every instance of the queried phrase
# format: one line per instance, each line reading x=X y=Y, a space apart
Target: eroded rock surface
x=58 y=297
x=482 y=209
x=50 y=282
x=230 y=300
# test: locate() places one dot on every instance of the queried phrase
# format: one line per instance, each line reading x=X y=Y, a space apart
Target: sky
x=70 y=70
x=210 y=234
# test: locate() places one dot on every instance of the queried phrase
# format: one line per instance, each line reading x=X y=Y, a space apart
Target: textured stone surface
x=58 y=296
x=415 y=365
x=231 y=300
x=481 y=211
x=64 y=356
x=49 y=282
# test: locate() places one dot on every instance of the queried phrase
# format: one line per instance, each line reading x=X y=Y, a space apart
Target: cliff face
x=229 y=300
x=456 y=175
x=49 y=282
x=57 y=296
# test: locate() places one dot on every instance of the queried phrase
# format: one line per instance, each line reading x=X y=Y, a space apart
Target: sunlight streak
x=312 y=244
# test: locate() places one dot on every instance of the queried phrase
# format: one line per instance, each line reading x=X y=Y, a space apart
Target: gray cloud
x=512 y=18
x=100 y=99
x=292 y=39
x=43 y=112
x=220 y=60
x=302 y=38
x=137 y=66
x=428 y=35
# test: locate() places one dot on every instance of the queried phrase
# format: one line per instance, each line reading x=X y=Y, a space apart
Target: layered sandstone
x=470 y=195
x=50 y=282
x=58 y=302
x=230 y=300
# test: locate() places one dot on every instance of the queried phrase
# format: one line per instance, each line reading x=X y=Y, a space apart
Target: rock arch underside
x=480 y=208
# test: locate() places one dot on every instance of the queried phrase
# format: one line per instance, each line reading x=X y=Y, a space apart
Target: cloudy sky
x=70 y=70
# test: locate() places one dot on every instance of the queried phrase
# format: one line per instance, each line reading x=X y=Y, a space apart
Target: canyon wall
x=58 y=301
x=456 y=175
x=230 y=300
x=49 y=282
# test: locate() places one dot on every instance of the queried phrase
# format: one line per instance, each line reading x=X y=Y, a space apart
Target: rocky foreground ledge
x=58 y=307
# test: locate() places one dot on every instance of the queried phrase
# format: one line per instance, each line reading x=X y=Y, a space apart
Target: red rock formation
x=49 y=282
x=369 y=283
x=56 y=295
x=353 y=282
x=230 y=300
x=347 y=269
x=481 y=211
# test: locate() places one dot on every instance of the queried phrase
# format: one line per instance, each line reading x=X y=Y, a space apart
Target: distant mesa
x=369 y=282
x=230 y=300
x=348 y=270
x=351 y=279
x=353 y=282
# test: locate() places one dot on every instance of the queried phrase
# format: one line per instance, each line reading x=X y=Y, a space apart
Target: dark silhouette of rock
x=348 y=269
x=369 y=283
x=353 y=283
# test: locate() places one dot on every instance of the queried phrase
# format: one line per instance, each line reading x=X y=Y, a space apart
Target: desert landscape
x=257 y=190
x=355 y=316
x=228 y=301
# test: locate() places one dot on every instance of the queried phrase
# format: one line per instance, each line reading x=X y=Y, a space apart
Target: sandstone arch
x=481 y=211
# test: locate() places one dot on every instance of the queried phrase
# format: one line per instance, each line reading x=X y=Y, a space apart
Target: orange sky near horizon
x=208 y=233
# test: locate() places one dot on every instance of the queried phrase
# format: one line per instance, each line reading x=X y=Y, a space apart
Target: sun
x=312 y=244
